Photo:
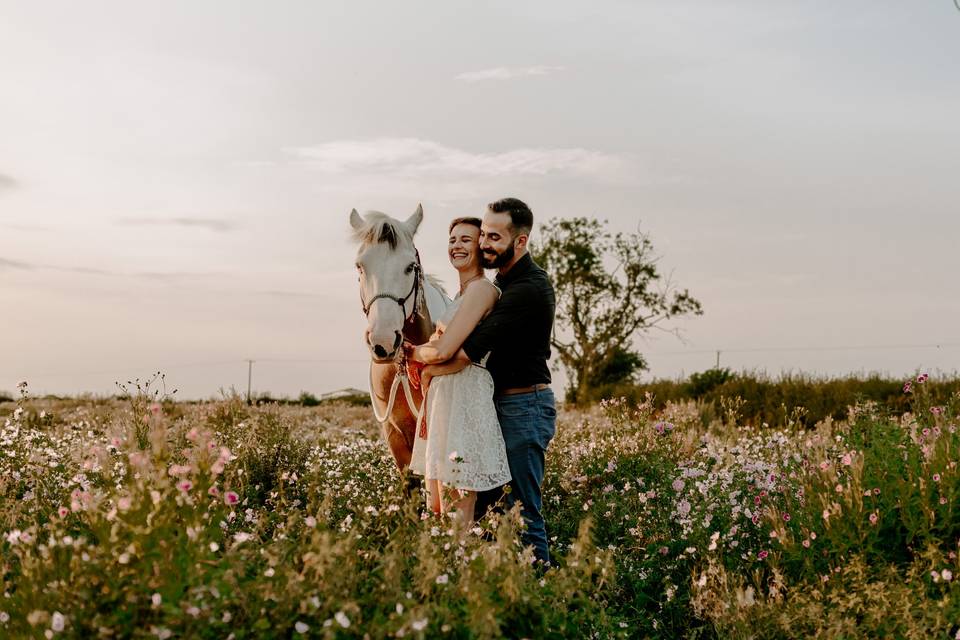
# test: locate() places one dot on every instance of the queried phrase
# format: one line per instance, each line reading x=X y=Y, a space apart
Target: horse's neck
x=419 y=328
x=422 y=325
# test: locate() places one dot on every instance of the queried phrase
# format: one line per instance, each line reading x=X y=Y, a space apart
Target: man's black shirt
x=517 y=331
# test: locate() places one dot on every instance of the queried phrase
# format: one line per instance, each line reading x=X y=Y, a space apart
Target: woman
x=460 y=448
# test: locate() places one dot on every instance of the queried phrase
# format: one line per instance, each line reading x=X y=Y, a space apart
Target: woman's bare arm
x=478 y=300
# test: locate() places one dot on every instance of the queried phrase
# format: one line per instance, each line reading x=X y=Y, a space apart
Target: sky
x=176 y=178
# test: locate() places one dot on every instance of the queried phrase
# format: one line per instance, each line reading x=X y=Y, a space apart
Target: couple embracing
x=489 y=411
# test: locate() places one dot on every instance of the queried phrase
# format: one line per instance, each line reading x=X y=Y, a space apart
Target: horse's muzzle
x=381 y=353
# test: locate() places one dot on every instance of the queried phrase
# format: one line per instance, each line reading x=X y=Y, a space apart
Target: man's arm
x=458 y=362
x=511 y=313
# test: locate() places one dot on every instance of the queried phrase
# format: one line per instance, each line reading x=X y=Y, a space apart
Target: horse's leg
x=399 y=445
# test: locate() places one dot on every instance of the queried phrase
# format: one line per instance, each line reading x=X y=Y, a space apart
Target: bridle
x=414 y=292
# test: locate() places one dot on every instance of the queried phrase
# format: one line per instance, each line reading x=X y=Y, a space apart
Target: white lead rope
x=400 y=377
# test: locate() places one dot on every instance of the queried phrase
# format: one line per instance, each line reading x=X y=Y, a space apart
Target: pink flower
x=936 y=410
x=838 y=488
x=874 y=517
x=907 y=387
x=813 y=535
x=922 y=378
x=876 y=491
x=846 y=460
x=155 y=409
x=824 y=465
x=786 y=517
x=231 y=498
x=63 y=511
x=936 y=477
x=806 y=544
x=762 y=555
x=185 y=485
x=213 y=491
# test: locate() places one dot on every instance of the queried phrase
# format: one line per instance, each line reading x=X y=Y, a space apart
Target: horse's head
x=390 y=277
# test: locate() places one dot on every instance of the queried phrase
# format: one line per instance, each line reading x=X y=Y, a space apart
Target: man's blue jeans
x=528 y=422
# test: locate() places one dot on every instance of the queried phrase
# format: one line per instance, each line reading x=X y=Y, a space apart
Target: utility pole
x=718 y=358
x=249 y=380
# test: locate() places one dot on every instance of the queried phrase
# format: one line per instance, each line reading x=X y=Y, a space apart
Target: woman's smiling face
x=463 y=248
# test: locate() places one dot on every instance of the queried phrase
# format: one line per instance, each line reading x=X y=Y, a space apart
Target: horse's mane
x=379 y=227
x=432 y=279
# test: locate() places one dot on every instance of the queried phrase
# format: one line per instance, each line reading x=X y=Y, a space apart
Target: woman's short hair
x=465 y=220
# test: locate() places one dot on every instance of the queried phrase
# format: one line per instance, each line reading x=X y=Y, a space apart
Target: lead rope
x=398 y=379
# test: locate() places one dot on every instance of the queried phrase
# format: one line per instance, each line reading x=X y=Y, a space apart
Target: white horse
x=399 y=302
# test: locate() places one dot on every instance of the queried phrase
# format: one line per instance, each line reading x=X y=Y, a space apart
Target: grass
x=149 y=518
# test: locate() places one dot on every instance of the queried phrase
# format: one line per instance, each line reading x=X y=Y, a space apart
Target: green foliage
x=307 y=399
x=280 y=521
x=608 y=289
x=701 y=384
x=775 y=400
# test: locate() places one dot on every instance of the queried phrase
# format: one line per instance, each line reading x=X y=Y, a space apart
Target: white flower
x=443 y=578
x=4 y=617
x=57 y=622
x=156 y=600
x=342 y=619
x=419 y=625
x=947 y=575
x=301 y=627
x=242 y=536
x=269 y=572
x=310 y=521
x=214 y=547
x=453 y=456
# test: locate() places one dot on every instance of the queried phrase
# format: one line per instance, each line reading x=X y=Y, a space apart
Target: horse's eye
x=410 y=268
x=360 y=268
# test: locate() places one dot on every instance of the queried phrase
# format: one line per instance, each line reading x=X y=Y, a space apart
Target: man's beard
x=498 y=259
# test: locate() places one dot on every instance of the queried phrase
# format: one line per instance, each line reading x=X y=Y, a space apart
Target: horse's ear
x=355 y=220
x=413 y=222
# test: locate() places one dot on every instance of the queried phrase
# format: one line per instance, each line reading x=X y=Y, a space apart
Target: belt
x=517 y=390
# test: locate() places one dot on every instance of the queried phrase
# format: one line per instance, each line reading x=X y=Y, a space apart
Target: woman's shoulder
x=482 y=287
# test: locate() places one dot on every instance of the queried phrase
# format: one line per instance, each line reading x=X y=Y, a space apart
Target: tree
x=608 y=290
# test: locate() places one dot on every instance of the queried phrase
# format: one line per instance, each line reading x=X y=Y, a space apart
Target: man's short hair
x=521 y=218
x=473 y=222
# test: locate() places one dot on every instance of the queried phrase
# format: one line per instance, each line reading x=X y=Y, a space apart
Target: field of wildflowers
x=146 y=518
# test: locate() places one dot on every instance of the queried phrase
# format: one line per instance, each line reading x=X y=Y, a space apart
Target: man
x=516 y=334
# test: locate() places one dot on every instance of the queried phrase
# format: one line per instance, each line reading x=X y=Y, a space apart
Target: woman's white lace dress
x=464 y=445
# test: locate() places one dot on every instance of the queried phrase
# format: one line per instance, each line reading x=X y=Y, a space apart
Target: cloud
x=210 y=224
x=15 y=264
x=92 y=271
x=506 y=73
x=413 y=156
x=6 y=182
